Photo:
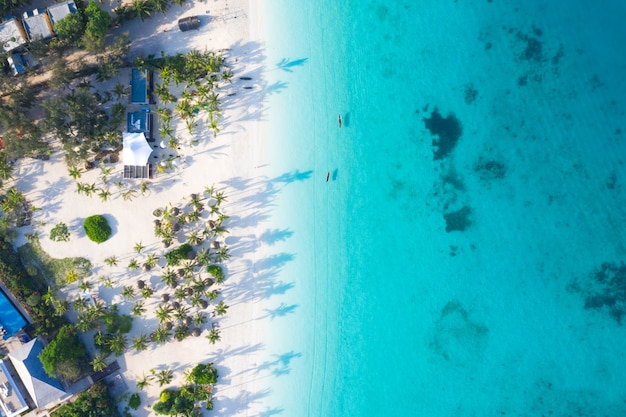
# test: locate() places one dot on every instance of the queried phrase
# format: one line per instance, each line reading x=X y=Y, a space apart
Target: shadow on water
x=287 y=64
x=334 y=174
x=281 y=311
x=346 y=120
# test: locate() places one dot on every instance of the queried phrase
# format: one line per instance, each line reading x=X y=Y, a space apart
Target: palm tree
x=61 y=307
x=142 y=8
x=138 y=309
x=220 y=197
x=141 y=342
x=181 y=332
x=220 y=308
x=128 y=195
x=133 y=264
x=209 y=190
x=164 y=376
x=106 y=281
x=214 y=335
x=227 y=76
x=111 y=261
x=169 y=277
x=75 y=172
x=199 y=319
x=80 y=304
x=222 y=254
x=84 y=322
x=203 y=257
x=181 y=313
x=120 y=90
x=152 y=260
x=104 y=194
x=144 y=188
x=194 y=238
x=143 y=382
x=128 y=292
x=99 y=361
x=117 y=343
x=84 y=286
x=163 y=313
x=138 y=247
x=212 y=295
x=146 y=292
x=161 y=335
x=105 y=172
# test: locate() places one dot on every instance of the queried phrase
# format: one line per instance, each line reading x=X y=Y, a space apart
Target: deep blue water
x=465 y=256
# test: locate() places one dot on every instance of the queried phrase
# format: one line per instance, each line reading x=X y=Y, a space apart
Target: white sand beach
x=233 y=162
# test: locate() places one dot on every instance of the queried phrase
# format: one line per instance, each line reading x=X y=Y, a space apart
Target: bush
x=134 y=401
x=95 y=402
x=174 y=256
x=60 y=233
x=204 y=374
x=97 y=228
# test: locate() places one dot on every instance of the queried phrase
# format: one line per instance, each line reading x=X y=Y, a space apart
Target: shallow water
x=452 y=263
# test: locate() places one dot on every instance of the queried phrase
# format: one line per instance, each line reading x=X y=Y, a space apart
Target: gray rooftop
x=60 y=10
x=37 y=26
x=10 y=35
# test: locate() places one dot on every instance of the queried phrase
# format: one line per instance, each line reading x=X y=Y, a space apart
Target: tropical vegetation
x=97 y=228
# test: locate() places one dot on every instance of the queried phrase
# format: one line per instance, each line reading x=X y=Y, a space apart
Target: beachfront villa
x=58 y=11
x=37 y=25
x=141 y=122
x=43 y=390
x=12 y=402
x=12 y=34
x=136 y=153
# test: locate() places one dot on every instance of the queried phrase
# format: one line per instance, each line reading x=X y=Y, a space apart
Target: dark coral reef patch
x=605 y=289
x=447 y=131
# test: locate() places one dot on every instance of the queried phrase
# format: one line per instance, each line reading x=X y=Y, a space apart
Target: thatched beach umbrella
x=211 y=224
x=168 y=325
x=175 y=305
x=157 y=212
x=146 y=267
x=193 y=197
x=215 y=244
x=181 y=272
x=208 y=282
x=157 y=223
x=191 y=255
x=165 y=297
x=175 y=211
x=176 y=227
x=204 y=304
x=188 y=321
x=188 y=291
x=141 y=284
x=196 y=332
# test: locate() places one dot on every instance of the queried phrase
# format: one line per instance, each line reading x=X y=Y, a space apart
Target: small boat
x=245 y=78
x=340 y=121
x=328 y=176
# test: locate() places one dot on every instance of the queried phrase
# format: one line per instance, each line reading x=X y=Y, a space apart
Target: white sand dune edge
x=228 y=161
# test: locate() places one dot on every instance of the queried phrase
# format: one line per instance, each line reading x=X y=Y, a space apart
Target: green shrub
x=134 y=401
x=97 y=228
x=174 y=256
x=204 y=374
x=60 y=233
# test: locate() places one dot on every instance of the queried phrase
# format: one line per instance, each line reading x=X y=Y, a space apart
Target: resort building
x=37 y=25
x=136 y=153
x=140 y=122
x=16 y=62
x=12 y=403
x=58 y=11
x=12 y=34
x=43 y=390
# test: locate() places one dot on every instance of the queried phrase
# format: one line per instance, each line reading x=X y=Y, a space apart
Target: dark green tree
x=65 y=356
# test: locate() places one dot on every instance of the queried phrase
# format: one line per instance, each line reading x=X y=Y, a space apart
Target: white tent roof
x=136 y=150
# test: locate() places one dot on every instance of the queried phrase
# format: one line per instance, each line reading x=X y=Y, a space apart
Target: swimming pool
x=10 y=317
x=138 y=86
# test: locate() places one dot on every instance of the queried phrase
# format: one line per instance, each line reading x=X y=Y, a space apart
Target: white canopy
x=136 y=150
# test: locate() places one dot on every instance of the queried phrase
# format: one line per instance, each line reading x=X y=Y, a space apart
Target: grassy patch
x=53 y=271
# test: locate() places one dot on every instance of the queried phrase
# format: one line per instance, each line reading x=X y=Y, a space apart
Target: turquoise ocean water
x=464 y=257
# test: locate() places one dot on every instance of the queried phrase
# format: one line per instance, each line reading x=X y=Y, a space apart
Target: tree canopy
x=65 y=356
x=94 y=402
